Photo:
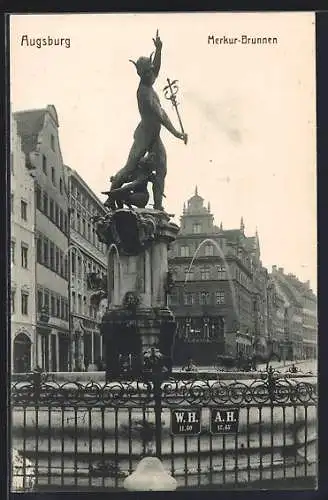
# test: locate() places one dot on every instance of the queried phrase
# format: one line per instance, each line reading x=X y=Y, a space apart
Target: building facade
x=225 y=301
x=86 y=255
x=23 y=312
x=213 y=299
x=38 y=130
x=300 y=305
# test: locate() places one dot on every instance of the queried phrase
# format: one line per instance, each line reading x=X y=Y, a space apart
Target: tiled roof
x=251 y=242
x=292 y=293
x=29 y=124
x=232 y=234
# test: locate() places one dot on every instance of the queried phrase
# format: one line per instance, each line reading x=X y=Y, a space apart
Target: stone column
x=137 y=313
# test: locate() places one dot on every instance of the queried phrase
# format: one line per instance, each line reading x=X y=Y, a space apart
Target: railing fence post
x=36 y=379
x=158 y=413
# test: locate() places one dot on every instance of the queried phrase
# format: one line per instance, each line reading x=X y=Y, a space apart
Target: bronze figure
x=147 y=134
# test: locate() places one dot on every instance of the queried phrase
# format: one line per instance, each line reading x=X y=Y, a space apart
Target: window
x=62 y=308
x=40 y=300
x=66 y=267
x=53 y=311
x=24 y=303
x=204 y=298
x=61 y=185
x=184 y=251
x=53 y=176
x=219 y=297
x=56 y=214
x=61 y=263
x=221 y=272
x=78 y=222
x=209 y=250
x=58 y=307
x=45 y=252
x=44 y=164
x=73 y=260
x=65 y=224
x=12 y=203
x=24 y=255
x=23 y=210
x=60 y=217
x=51 y=209
x=204 y=273
x=39 y=250
x=52 y=256
x=12 y=252
x=189 y=274
x=38 y=197
x=79 y=304
x=188 y=299
x=52 y=142
x=72 y=218
x=61 y=225
x=12 y=301
x=173 y=298
x=45 y=204
x=197 y=228
x=46 y=300
x=12 y=163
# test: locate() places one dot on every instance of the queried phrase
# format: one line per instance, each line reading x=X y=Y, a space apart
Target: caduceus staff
x=170 y=93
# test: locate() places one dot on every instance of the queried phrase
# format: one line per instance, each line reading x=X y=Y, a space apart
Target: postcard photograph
x=163 y=252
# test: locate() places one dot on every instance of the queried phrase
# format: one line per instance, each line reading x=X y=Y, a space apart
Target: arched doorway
x=22 y=353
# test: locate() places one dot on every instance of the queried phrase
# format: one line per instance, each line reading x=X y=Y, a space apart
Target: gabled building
x=38 y=131
x=300 y=314
x=87 y=255
x=213 y=299
x=22 y=249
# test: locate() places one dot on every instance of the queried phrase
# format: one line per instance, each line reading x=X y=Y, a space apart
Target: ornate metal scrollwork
x=282 y=390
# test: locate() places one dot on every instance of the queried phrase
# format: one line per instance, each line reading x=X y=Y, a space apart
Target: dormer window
x=197 y=228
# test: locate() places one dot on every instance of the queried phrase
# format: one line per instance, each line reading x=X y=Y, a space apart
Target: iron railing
x=92 y=435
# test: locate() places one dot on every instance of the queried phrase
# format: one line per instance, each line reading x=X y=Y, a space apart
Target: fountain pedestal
x=137 y=318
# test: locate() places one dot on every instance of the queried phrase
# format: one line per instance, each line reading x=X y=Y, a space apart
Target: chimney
x=274 y=269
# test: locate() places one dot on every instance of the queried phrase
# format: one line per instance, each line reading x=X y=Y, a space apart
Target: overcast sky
x=249 y=112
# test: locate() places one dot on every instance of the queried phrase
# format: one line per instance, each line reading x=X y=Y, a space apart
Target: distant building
x=300 y=314
x=87 y=255
x=38 y=130
x=218 y=297
x=22 y=247
x=278 y=321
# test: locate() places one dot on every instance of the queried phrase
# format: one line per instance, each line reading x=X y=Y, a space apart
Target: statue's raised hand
x=183 y=137
x=157 y=41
